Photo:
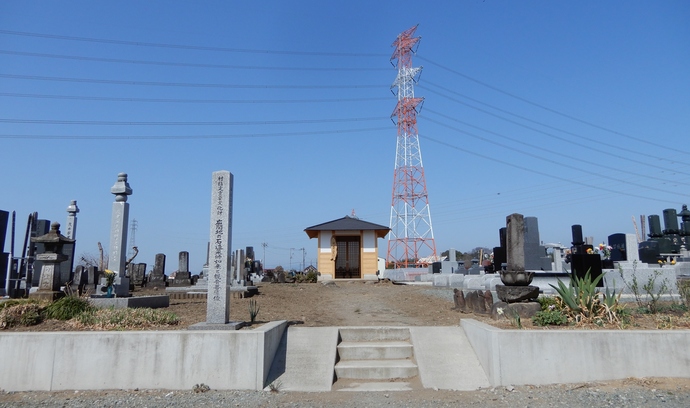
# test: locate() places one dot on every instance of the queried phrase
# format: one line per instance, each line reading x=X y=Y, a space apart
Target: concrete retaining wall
x=143 y=359
x=515 y=357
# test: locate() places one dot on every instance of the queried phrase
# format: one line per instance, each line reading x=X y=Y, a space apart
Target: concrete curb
x=34 y=361
x=540 y=357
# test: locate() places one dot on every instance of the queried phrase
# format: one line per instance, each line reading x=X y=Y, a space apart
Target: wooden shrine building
x=347 y=247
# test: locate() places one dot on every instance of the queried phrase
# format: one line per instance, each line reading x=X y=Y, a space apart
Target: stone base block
x=216 y=326
x=513 y=294
x=152 y=302
x=508 y=310
x=49 y=295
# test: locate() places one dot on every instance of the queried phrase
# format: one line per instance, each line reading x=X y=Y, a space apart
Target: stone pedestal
x=514 y=294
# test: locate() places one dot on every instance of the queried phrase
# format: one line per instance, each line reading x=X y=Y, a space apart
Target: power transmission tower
x=411 y=233
x=132 y=240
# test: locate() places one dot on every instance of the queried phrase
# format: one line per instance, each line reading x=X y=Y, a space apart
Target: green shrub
x=67 y=308
x=551 y=317
x=253 y=310
x=684 y=291
x=549 y=303
x=584 y=303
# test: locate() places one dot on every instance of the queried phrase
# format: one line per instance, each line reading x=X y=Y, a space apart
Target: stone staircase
x=375 y=359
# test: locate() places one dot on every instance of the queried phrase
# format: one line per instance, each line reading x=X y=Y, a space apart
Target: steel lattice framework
x=411 y=233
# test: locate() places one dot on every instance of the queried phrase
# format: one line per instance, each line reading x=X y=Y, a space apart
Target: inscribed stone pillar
x=66 y=267
x=218 y=300
x=515 y=242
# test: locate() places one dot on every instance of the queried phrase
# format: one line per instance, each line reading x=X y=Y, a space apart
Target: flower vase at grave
x=109 y=293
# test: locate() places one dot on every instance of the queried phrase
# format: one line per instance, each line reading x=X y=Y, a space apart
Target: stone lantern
x=49 y=284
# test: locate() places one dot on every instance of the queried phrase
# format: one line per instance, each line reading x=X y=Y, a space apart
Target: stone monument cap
x=72 y=207
x=121 y=189
x=53 y=240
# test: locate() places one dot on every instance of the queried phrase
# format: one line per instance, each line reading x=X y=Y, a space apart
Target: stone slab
x=152 y=302
x=217 y=326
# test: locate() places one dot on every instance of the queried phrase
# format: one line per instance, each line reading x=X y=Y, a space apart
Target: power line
x=184 y=137
x=565 y=115
x=558 y=163
x=186 y=47
x=141 y=123
x=594 y=141
x=173 y=100
x=183 y=84
x=183 y=64
x=555 y=153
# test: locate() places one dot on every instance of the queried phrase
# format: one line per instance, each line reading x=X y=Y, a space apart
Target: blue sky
x=573 y=112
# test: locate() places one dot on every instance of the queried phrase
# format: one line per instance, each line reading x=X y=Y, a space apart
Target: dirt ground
x=359 y=303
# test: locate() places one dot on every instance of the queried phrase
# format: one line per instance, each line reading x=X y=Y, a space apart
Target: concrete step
x=374 y=350
x=376 y=369
x=374 y=334
x=378 y=386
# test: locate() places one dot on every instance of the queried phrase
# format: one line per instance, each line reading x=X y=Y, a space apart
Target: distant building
x=347 y=247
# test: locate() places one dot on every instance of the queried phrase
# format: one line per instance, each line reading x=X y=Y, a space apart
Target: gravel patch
x=673 y=393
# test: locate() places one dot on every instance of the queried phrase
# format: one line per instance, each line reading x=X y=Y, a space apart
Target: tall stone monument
x=117 y=251
x=218 y=298
x=66 y=267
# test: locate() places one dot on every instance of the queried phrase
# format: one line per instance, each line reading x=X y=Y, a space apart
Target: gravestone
x=182 y=275
x=238 y=265
x=39 y=228
x=535 y=253
x=118 y=232
x=684 y=215
x=500 y=256
x=218 y=297
x=618 y=244
x=475 y=269
x=582 y=262
x=672 y=231
x=157 y=276
x=632 y=248
x=4 y=256
x=664 y=245
x=137 y=274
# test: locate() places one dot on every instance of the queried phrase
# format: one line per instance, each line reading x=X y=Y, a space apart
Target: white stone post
x=218 y=298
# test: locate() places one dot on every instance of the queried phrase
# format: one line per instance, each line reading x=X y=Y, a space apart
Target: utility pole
x=303 y=253
x=264 y=245
x=291 y=249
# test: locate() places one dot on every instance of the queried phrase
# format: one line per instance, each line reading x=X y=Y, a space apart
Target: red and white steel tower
x=411 y=240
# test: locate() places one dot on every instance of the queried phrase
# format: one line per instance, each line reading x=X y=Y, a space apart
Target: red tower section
x=411 y=240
